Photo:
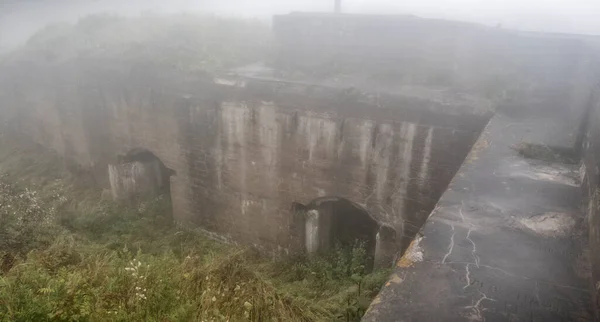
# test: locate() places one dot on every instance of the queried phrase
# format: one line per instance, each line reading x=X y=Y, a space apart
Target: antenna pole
x=338 y=6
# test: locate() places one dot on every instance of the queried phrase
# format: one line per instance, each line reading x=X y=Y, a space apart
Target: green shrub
x=25 y=222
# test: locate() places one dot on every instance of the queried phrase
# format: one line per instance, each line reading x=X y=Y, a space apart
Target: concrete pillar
x=311 y=236
x=385 y=247
x=318 y=228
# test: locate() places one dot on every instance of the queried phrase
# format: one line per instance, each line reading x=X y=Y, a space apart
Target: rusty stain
x=395 y=279
x=372 y=308
x=479 y=145
x=413 y=254
x=405 y=262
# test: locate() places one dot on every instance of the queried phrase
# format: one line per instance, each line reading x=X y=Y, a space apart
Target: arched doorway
x=330 y=221
x=139 y=174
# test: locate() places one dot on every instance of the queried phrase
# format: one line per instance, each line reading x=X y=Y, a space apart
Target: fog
x=20 y=19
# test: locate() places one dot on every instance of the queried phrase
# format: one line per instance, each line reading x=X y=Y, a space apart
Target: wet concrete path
x=507 y=242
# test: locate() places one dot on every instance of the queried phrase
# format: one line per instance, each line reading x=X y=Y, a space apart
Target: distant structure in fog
x=338 y=6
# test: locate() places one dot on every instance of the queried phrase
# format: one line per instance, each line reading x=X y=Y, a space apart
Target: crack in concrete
x=476 y=310
x=460 y=211
x=474 y=250
x=467 y=276
x=525 y=277
x=451 y=246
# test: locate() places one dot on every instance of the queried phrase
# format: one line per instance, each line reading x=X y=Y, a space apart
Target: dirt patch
x=550 y=224
x=413 y=254
x=546 y=153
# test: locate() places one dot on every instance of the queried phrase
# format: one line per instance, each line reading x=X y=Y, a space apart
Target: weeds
x=68 y=255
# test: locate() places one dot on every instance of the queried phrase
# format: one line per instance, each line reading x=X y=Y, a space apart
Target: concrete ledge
x=506 y=242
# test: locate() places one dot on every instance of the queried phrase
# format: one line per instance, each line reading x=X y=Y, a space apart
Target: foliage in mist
x=183 y=41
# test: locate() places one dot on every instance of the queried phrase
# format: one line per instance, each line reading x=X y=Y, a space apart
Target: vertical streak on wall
x=218 y=151
x=320 y=134
x=311 y=136
x=366 y=131
x=366 y=153
x=269 y=133
x=240 y=130
x=235 y=117
x=407 y=131
x=424 y=172
x=356 y=151
x=381 y=158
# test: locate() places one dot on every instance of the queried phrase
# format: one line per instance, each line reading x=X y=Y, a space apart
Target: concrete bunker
x=249 y=142
x=139 y=173
x=330 y=221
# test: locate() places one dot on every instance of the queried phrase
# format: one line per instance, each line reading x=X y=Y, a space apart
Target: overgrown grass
x=69 y=255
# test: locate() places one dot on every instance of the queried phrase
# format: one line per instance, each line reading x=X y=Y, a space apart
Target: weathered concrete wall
x=508 y=238
x=243 y=150
x=504 y=243
x=590 y=173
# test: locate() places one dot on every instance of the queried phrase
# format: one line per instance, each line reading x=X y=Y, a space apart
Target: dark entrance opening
x=331 y=221
x=139 y=174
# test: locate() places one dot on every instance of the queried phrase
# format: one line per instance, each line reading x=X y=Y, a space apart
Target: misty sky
x=19 y=19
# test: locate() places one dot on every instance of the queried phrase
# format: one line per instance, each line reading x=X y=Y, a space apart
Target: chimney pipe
x=338 y=6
